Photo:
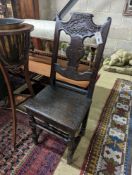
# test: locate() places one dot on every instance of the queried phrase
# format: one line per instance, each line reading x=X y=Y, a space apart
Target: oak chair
x=14 y=49
x=61 y=108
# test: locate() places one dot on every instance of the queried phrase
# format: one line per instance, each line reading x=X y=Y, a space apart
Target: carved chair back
x=79 y=27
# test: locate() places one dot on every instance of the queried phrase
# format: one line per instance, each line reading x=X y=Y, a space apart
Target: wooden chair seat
x=60 y=106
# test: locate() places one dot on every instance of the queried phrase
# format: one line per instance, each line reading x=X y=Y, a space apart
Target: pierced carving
x=78 y=27
x=80 y=24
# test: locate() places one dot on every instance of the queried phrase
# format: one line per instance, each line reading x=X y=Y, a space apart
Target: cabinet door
x=26 y=9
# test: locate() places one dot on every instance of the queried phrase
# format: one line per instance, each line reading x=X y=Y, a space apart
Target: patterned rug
x=110 y=151
x=27 y=159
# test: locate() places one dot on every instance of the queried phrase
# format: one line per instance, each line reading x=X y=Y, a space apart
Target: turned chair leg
x=33 y=127
x=12 y=101
x=27 y=78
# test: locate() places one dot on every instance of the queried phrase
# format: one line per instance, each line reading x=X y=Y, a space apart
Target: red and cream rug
x=27 y=159
x=110 y=151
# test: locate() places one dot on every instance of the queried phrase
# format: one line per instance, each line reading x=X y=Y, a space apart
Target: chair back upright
x=79 y=27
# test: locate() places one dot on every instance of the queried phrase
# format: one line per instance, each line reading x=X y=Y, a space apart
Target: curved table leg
x=12 y=101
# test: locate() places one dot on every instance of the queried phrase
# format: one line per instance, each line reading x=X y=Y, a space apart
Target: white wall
x=49 y=8
x=120 y=35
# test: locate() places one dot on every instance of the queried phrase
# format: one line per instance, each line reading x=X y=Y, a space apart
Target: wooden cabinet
x=26 y=9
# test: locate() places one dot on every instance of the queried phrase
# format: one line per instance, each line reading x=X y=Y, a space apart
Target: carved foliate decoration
x=80 y=24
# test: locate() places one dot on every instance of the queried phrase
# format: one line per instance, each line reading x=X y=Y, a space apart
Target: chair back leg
x=27 y=78
x=32 y=123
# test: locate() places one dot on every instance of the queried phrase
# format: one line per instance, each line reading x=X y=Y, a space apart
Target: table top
x=22 y=28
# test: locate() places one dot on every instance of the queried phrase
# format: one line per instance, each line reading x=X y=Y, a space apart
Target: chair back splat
x=62 y=108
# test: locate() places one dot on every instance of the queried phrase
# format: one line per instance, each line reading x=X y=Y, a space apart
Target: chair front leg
x=32 y=123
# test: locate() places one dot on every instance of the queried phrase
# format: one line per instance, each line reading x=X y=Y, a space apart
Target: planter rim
x=10 y=21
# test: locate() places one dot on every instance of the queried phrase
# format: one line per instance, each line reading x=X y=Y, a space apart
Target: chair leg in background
x=71 y=146
x=27 y=78
x=33 y=127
